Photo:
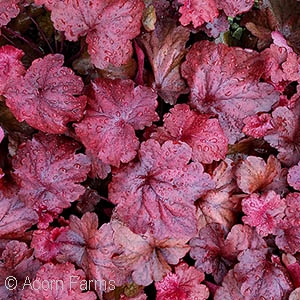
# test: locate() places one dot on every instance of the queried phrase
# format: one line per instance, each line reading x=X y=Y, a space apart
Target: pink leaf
x=233 y=8
x=288 y=231
x=263 y=212
x=59 y=281
x=253 y=174
x=294 y=177
x=197 y=12
x=217 y=26
x=258 y=125
x=261 y=277
x=158 y=193
x=15 y=217
x=45 y=244
x=8 y=9
x=183 y=284
x=115 y=109
x=44 y=97
x=17 y=261
x=91 y=249
x=48 y=171
x=240 y=238
x=11 y=66
x=109 y=27
x=147 y=257
x=224 y=81
x=202 y=134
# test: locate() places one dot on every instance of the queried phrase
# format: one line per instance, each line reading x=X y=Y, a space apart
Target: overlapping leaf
x=108 y=25
x=158 y=193
x=49 y=172
x=115 y=109
x=202 y=134
x=225 y=82
x=45 y=96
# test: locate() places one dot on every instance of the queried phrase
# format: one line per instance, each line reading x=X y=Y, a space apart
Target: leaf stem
x=42 y=34
x=19 y=36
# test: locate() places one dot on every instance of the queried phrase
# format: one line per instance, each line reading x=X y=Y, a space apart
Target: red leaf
x=8 y=9
x=44 y=97
x=48 y=172
x=165 y=48
x=233 y=8
x=109 y=27
x=293 y=177
x=261 y=278
x=115 y=109
x=147 y=257
x=17 y=261
x=15 y=217
x=91 y=249
x=202 y=134
x=263 y=212
x=288 y=231
x=158 y=193
x=184 y=284
x=258 y=125
x=224 y=81
x=11 y=66
x=253 y=174
x=197 y=12
x=45 y=244
x=59 y=281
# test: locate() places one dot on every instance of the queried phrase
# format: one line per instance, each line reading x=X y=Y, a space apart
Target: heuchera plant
x=150 y=149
